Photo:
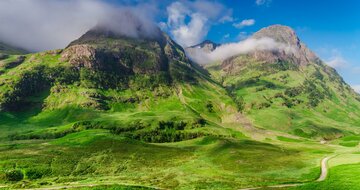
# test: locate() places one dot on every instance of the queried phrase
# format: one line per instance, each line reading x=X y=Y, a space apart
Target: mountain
x=298 y=52
x=291 y=91
x=206 y=46
x=114 y=109
x=6 y=49
x=102 y=60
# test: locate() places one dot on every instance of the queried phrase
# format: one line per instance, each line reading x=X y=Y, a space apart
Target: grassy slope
x=6 y=49
x=227 y=158
x=344 y=172
x=263 y=89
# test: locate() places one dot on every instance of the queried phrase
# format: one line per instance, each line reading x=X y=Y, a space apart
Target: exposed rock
x=298 y=52
x=206 y=46
x=104 y=50
x=80 y=56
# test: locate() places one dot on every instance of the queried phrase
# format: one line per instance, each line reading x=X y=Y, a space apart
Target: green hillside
x=6 y=49
x=124 y=113
x=307 y=99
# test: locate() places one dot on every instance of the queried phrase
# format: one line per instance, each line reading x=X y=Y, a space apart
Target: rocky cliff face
x=298 y=52
x=206 y=46
x=104 y=50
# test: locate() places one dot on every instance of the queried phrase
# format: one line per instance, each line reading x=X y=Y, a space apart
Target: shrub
x=279 y=95
x=14 y=175
x=210 y=107
x=263 y=105
x=270 y=85
x=258 y=89
x=317 y=75
x=295 y=91
x=36 y=173
x=288 y=102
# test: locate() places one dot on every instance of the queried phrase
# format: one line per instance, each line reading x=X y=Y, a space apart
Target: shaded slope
x=6 y=49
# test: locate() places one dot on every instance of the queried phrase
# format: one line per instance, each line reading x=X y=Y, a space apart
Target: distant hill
x=11 y=50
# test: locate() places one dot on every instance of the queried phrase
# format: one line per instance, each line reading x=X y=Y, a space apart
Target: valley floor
x=81 y=162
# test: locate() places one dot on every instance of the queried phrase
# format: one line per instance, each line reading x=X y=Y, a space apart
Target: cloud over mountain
x=231 y=49
x=41 y=25
x=189 y=21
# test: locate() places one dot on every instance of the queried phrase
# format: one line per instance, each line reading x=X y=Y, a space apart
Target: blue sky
x=330 y=28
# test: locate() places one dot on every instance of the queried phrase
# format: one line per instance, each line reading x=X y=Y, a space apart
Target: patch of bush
x=279 y=95
x=37 y=173
x=270 y=85
x=288 y=103
x=295 y=91
x=165 y=131
x=239 y=101
x=315 y=96
x=102 y=79
x=134 y=126
x=263 y=105
x=317 y=75
x=302 y=133
x=283 y=66
x=209 y=107
x=14 y=175
x=258 y=89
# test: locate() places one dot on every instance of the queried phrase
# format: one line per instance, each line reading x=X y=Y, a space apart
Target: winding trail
x=322 y=177
x=324 y=169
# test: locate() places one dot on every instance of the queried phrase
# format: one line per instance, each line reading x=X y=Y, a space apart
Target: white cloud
x=226 y=18
x=243 y=47
x=337 y=62
x=189 y=21
x=356 y=88
x=41 y=25
x=243 y=35
x=226 y=36
x=246 y=22
x=262 y=2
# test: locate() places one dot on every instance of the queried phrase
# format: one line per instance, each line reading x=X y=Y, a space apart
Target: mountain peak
x=301 y=54
x=206 y=45
x=280 y=33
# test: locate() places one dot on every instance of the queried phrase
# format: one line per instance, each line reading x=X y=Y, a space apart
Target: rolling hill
x=10 y=50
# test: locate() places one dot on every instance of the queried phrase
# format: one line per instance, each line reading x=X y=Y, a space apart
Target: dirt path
x=324 y=169
x=322 y=177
